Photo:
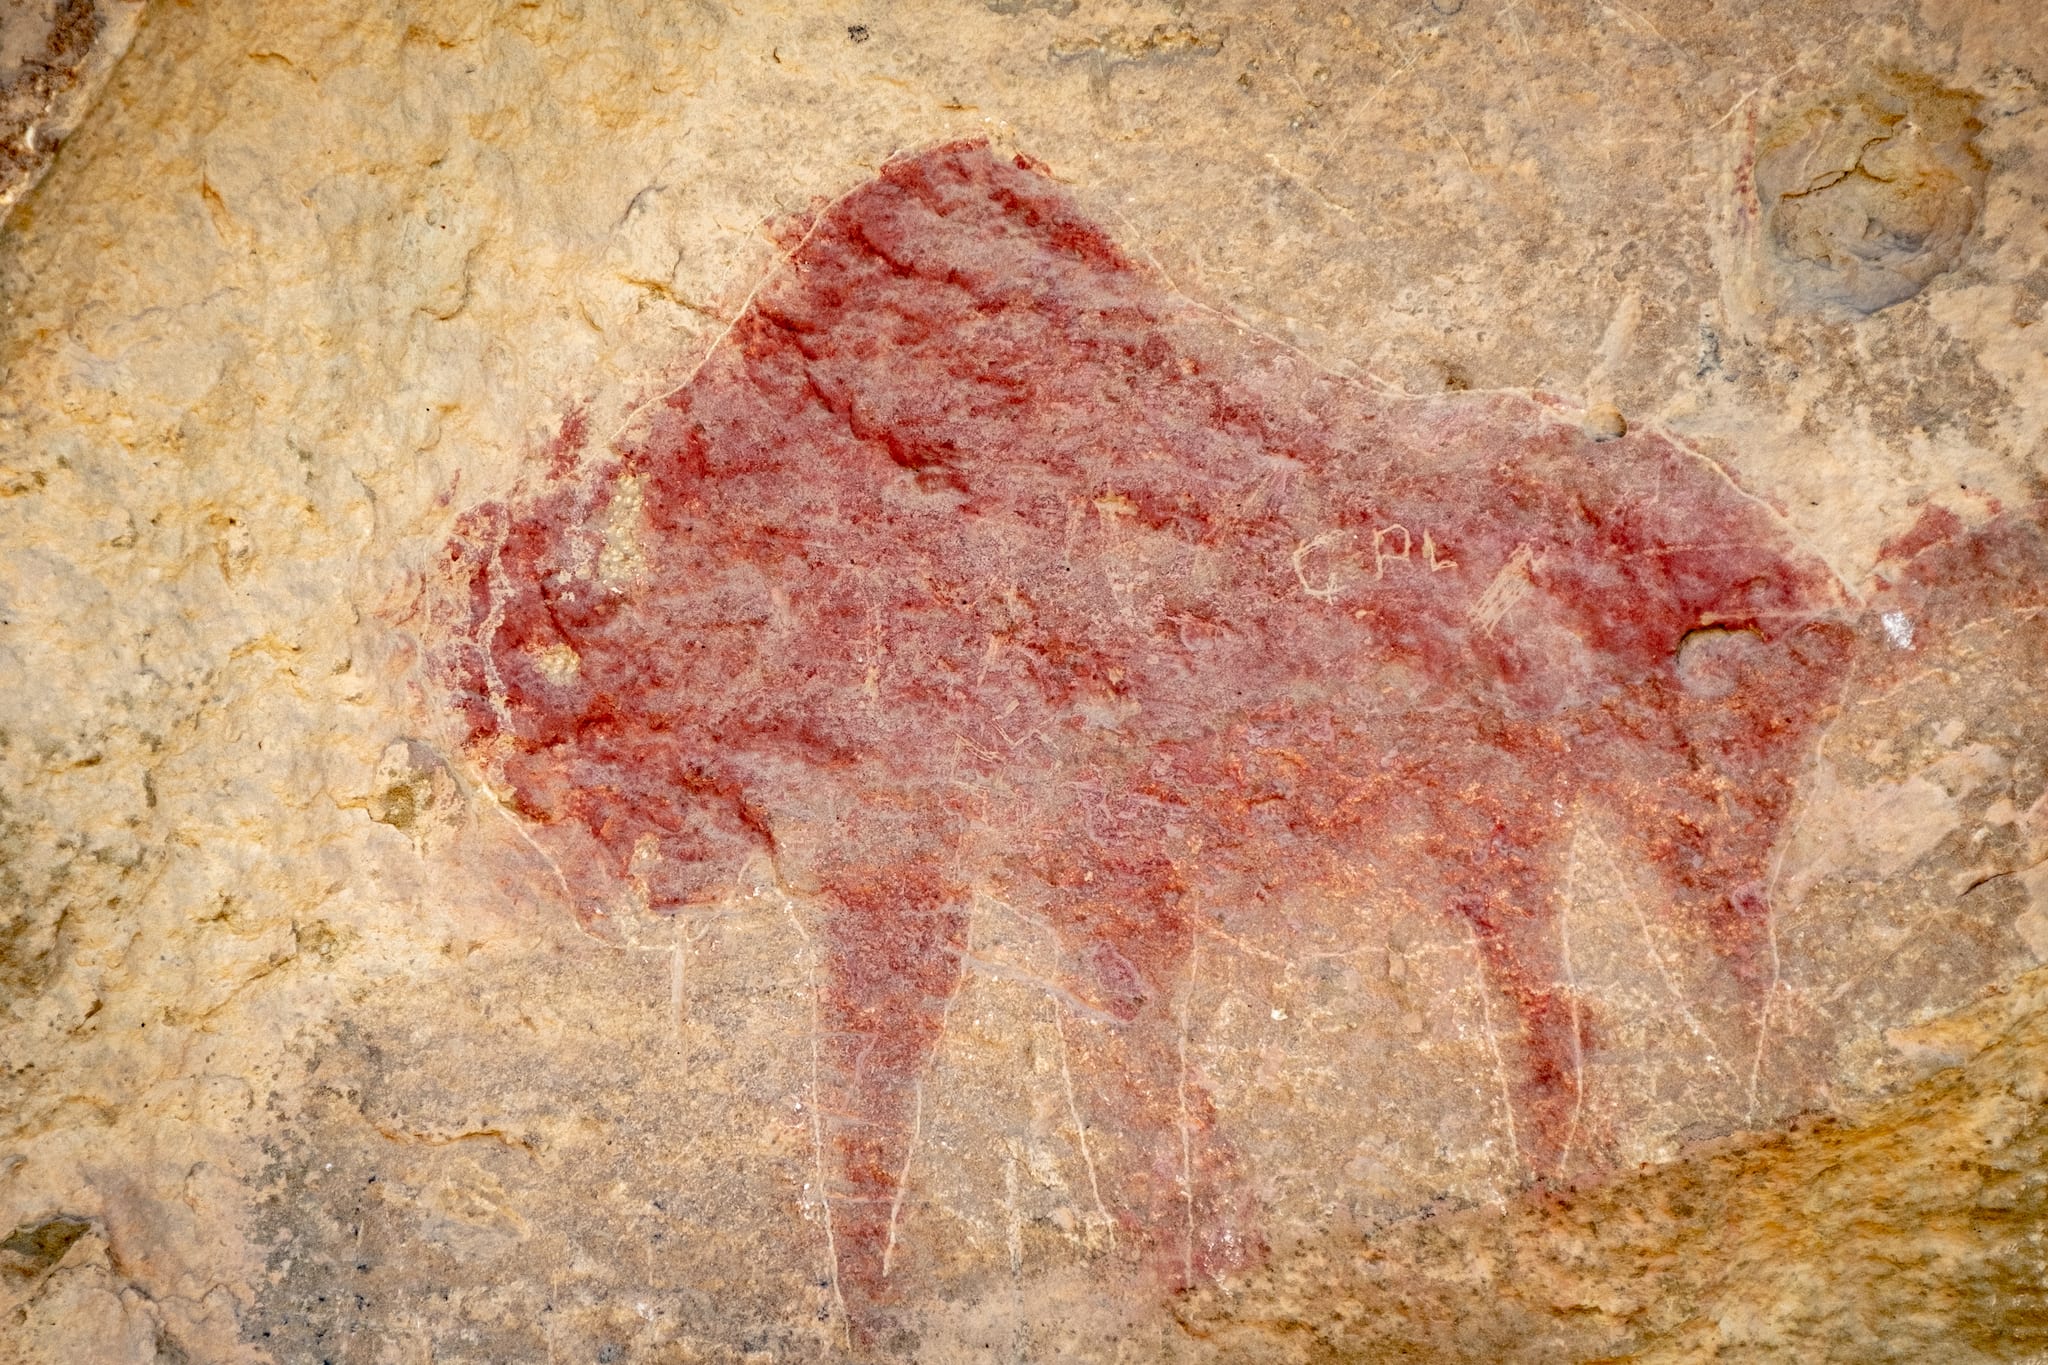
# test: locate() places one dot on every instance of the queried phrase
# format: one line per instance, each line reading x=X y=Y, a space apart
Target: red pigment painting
x=973 y=561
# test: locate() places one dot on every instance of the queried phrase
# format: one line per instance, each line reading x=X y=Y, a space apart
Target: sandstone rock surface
x=1041 y=681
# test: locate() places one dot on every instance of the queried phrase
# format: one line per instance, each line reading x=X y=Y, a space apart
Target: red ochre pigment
x=971 y=561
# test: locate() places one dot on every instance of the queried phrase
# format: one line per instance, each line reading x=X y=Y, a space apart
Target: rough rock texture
x=54 y=57
x=1029 y=680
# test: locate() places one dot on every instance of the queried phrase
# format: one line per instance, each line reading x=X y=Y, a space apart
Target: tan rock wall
x=304 y=1051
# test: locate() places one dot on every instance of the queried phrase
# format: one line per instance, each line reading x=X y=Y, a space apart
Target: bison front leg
x=893 y=940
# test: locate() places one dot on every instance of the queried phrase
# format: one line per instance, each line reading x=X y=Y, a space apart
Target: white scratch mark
x=1254 y=950
x=1302 y=180
x=795 y=920
x=1500 y=1063
x=1331 y=586
x=1365 y=378
x=678 y=957
x=1614 y=347
x=1014 y=1231
x=818 y=1156
x=917 y=1111
x=1635 y=904
x=1003 y=971
x=1763 y=1019
x=494 y=621
x=1430 y=556
x=1770 y=511
x=1187 y=1149
x=1508 y=588
x=903 y=1176
x=1571 y=986
x=1776 y=875
x=1380 y=557
x=1080 y=1128
x=1015 y=1238
x=491 y=798
x=1634 y=20
x=785 y=259
x=1898 y=628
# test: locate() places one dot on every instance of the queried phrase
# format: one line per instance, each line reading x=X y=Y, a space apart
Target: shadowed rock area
x=1047 y=681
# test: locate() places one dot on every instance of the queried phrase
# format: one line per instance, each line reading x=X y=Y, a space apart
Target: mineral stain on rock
x=1868 y=195
x=971 y=563
x=36 y=1247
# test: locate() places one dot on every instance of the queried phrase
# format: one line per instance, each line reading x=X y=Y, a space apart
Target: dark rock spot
x=41 y=1245
x=1869 y=194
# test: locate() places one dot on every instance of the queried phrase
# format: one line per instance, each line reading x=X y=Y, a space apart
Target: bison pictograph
x=970 y=561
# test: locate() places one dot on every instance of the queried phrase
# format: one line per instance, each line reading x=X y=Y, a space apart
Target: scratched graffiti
x=970 y=562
